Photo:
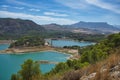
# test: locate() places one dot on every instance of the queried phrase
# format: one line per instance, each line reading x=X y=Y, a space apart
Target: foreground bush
x=29 y=71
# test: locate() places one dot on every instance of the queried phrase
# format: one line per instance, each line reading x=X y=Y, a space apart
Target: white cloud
x=55 y=14
x=32 y=9
x=18 y=7
x=74 y=4
x=104 y=5
x=22 y=3
x=36 y=18
x=84 y=4
x=5 y=6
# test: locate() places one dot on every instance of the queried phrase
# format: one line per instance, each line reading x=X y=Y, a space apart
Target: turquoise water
x=62 y=43
x=3 y=46
x=10 y=63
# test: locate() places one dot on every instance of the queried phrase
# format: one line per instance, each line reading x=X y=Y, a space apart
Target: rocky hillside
x=108 y=69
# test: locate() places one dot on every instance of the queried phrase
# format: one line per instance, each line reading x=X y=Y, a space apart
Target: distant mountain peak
x=99 y=26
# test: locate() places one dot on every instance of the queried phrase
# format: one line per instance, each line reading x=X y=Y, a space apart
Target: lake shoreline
x=12 y=62
x=73 y=52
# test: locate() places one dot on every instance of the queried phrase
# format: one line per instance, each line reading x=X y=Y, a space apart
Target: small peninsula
x=36 y=44
x=28 y=41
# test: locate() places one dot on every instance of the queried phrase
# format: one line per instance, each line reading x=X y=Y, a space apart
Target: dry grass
x=102 y=69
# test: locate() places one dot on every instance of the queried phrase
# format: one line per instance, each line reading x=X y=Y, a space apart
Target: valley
x=59 y=39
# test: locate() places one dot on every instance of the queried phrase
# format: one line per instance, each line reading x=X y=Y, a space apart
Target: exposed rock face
x=115 y=72
x=90 y=76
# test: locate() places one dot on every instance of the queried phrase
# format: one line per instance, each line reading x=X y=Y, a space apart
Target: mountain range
x=102 y=26
x=9 y=26
x=84 y=27
x=118 y=26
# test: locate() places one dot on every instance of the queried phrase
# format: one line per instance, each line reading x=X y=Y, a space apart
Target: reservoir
x=62 y=43
x=11 y=63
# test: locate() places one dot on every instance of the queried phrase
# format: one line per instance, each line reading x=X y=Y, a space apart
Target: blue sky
x=62 y=11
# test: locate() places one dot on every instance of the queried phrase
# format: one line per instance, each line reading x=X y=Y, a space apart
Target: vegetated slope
x=104 y=52
x=16 y=27
x=54 y=26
